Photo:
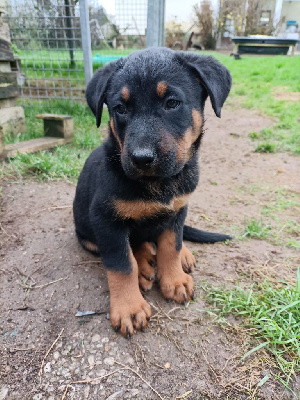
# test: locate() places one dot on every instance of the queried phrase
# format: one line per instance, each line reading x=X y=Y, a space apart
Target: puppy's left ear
x=213 y=76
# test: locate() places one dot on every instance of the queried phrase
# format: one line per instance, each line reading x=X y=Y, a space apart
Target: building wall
x=291 y=11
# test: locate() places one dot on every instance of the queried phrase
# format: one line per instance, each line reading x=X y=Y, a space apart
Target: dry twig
x=41 y=286
x=88 y=381
x=50 y=348
x=135 y=372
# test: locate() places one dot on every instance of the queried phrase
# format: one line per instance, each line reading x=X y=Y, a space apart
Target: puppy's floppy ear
x=212 y=74
x=97 y=88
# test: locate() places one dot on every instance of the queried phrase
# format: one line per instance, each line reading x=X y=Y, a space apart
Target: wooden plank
x=1 y=142
x=4 y=31
x=6 y=53
x=8 y=90
x=8 y=85
x=34 y=145
x=5 y=66
x=7 y=103
x=11 y=114
x=8 y=77
x=54 y=117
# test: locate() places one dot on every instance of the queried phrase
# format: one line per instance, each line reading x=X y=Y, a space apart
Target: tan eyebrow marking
x=125 y=93
x=161 y=88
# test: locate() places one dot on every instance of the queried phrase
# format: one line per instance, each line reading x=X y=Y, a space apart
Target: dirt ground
x=46 y=277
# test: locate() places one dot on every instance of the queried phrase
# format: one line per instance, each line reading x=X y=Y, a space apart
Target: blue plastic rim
x=98 y=59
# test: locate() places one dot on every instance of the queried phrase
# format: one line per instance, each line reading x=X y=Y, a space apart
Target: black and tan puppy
x=134 y=189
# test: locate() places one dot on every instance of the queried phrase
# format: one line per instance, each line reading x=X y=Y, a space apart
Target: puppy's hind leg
x=188 y=260
x=145 y=256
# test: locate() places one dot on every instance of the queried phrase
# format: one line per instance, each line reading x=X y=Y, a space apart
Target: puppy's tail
x=198 y=236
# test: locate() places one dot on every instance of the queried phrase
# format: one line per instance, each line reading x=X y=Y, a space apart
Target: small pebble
x=109 y=361
x=47 y=367
x=91 y=360
x=96 y=338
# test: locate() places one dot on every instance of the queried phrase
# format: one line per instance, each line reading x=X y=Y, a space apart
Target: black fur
x=111 y=172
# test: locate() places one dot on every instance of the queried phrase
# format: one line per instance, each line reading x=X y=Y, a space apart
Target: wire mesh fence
x=46 y=39
x=47 y=42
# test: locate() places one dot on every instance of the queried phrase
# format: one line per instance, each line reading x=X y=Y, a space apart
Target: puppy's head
x=155 y=99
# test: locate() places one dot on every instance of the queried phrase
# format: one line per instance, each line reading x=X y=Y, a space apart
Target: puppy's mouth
x=143 y=174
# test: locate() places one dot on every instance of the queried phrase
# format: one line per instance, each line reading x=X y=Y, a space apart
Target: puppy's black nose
x=143 y=158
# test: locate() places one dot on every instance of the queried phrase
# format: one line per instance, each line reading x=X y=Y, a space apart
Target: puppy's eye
x=121 y=109
x=171 y=104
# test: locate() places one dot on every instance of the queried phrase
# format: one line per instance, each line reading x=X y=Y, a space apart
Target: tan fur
x=142 y=209
x=190 y=136
x=112 y=125
x=184 y=145
x=174 y=283
x=161 y=88
x=188 y=260
x=197 y=120
x=90 y=246
x=145 y=255
x=167 y=142
x=125 y=93
x=128 y=309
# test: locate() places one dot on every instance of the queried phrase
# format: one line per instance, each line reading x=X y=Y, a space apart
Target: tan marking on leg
x=188 y=260
x=112 y=125
x=128 y=309
x=125 y=93
x=161 y=88
x=145 y=256
x=174 y=283
x=90 y=246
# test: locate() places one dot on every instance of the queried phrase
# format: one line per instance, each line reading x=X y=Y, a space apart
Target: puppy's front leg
x=128 y=309
x=174 y=282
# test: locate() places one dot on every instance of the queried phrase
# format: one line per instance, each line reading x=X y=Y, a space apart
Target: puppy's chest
x=140 y=209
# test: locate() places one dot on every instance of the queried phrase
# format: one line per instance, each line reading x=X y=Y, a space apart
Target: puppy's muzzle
x=143 y=159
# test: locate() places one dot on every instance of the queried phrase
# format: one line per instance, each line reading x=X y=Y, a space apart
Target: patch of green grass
x=265 y=148
x=255 y=228
x=256 y=78
x=63 y=162
x=284 y=200
x=272 y=316
x=254 y=135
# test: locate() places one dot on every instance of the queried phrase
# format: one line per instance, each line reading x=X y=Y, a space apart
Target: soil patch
x=283 y=95
x=46 y=277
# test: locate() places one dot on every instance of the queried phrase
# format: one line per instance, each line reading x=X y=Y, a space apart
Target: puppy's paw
x=125 y=317
x=188 y=260
x=178 y=286
x=146 y=260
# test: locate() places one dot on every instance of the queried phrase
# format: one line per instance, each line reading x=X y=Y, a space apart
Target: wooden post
x=1 y=143
x=12 y=118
